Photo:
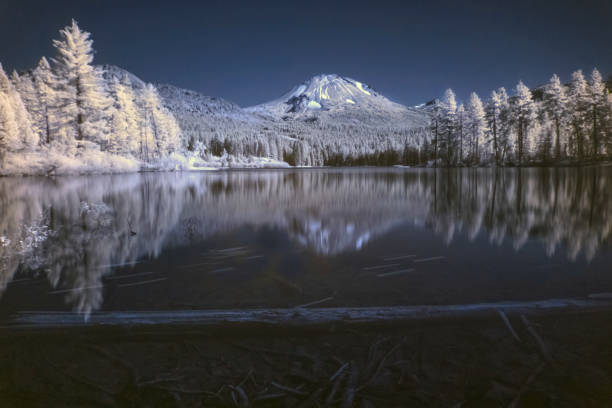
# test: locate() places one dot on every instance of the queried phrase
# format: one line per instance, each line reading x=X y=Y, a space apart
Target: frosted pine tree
x=84 y=106
x=495 y=111
x=162 y=133
x=447 y=141
x=8 y=127
x=460 y=130
x=555 y=105
x=598 y=107
x=27 y=91
x=525 y=115
x=608 y=122
x=25 y=138
x=578 y=112
x=45 y=83
x=477 y=125
x=435 y=119
x=127 y=119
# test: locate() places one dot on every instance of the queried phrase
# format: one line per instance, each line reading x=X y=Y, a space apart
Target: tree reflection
x=72 y=230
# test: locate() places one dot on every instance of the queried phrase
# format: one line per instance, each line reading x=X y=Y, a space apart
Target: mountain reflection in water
x=73 y=230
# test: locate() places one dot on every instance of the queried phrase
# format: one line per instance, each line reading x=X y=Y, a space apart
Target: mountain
x=341 y=99
x=324 y=120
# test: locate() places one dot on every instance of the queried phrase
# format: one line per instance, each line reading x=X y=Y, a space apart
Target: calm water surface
x=282 y=238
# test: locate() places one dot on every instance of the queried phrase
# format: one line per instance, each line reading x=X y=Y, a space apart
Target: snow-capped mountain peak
x=326 y=92
x=330 y=95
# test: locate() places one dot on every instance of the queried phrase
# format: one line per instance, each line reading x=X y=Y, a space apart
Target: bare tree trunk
x=79 y=110
x=557 y=140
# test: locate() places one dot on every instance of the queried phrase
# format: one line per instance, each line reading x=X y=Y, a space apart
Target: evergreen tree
x=525 y=115
x=436 y=115
x=447 y=141
x=84 y=106
x=578 y=107
x=8 y=127
x=598 y=107
x=460 y=129
x=46 y=83
x=126 y=118
x=476 y=123
x=159 y=124
x=555 y=105
x=24 y=138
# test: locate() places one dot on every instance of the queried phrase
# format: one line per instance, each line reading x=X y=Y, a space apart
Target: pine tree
x=493 y=113
x=126 y=118
x=27 y=91
x=25 y=137
x=525 y=114
x=555 y=105
x=435 y=122
x=448 y=142
x=578 y=107
x=608 y=122
x=84 y=103
x=598 y=106
x=8 y=126
x=476 y=121
x=46 y=84
x=162 y=132
x=460 y=129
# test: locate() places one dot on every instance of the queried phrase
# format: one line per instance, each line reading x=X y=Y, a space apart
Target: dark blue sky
x=252 y=52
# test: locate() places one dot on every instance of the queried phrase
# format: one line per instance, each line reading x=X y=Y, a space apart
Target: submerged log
x=293 y=316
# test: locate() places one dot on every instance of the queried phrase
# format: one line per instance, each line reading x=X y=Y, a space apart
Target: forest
x=552 y=124
x=68 y=115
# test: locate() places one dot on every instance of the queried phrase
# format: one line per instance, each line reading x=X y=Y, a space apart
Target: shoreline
x=301 y=316
x=552 y=359
x=289 y=167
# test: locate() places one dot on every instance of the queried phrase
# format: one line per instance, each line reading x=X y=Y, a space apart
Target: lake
x=330 y=238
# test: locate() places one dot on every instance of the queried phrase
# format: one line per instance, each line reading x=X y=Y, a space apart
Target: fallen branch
x=289 y=389
x=541 y=345
x=338 y=372
x=526 y=385
x=503 y=316
x=373 y=268
x=316 y=302
x=396 y=258
x=433 y=258
x=394 y=273
x=381 y=364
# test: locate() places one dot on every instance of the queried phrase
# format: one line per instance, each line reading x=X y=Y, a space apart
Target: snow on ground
x=96 y=162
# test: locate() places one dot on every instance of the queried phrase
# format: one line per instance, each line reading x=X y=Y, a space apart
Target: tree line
x=65 y=106
x=68 y=108
x=553 y=124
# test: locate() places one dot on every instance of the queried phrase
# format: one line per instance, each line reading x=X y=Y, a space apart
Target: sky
x=254 y=51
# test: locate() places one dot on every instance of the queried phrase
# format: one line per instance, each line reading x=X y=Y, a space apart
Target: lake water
x=283 y=238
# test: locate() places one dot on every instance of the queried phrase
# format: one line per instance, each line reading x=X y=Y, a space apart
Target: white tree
x=447 y=140
x=460 y=129
x=525 y=114
x=127 y=119
x=162 y=133
x=578 y=107
x=25 y=137
x=84 y=106
x=27 y=91
x=496 y=114
x=598 y=98
x=8 y=126
x=46 y=83
x=477 y=125
x=555 y=105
